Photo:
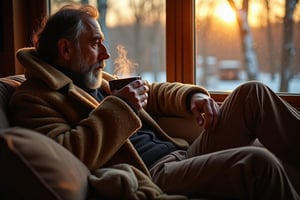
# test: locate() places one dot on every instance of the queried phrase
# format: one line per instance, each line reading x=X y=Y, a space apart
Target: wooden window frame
x=180 y=40
x=180 y=48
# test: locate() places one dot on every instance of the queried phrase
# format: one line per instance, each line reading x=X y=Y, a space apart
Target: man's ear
x=64 y=48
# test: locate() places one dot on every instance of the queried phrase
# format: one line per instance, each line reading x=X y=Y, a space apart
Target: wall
x=6 y=51
x=19 y=19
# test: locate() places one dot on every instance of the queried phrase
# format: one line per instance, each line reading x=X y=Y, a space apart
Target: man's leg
x=239 y=173
x=254 y=111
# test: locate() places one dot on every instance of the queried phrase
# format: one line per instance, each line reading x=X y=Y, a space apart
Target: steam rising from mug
x=124 y=67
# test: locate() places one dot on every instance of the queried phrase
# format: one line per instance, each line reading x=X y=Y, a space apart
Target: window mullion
x=180 y=40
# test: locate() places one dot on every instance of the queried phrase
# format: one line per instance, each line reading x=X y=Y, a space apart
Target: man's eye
x=95 y=44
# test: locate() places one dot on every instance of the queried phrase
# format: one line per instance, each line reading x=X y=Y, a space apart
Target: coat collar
x=35 y=67
x=55 y=79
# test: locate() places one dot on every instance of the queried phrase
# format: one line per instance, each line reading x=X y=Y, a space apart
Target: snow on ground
x=227 y=85
x=215 y=84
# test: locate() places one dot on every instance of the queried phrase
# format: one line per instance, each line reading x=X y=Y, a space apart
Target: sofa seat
x=35 y=167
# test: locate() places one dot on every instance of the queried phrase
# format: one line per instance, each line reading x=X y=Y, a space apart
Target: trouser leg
x=254 y=111
x=239 y=173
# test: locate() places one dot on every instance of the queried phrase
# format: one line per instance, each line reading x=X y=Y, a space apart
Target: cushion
x=35 y=167
x=7 y=87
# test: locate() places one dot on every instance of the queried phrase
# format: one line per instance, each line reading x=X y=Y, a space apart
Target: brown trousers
x=223 y=165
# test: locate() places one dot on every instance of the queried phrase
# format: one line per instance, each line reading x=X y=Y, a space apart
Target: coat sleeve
x=93 y=135
x=171 y=99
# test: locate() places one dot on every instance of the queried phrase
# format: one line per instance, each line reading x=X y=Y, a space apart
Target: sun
x=224 y=12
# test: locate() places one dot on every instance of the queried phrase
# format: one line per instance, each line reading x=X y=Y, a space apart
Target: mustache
x=98 y=64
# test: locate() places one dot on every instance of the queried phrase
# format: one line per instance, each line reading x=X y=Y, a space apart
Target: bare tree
x=145 y=12
x=270 y=41
x=205 y=27
x=288 y=49
x=250 y=59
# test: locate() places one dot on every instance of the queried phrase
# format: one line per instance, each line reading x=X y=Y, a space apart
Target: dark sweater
x=149 y=146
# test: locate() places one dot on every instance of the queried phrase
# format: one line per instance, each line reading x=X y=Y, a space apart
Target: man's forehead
x=94 y=26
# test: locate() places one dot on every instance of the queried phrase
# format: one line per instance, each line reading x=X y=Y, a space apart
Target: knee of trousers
x=252 y=86
x=259 y=160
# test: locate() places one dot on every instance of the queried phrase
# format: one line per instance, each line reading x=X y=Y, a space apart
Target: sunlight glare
x=224 y=12
x=255 y=14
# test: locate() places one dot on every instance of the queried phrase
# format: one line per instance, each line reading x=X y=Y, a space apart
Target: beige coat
x=97 y=133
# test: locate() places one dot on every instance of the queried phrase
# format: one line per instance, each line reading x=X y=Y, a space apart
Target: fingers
x=143 y=94
x=142 y=89
x=135 y=94
x=205 y=110
x=210 y=115
x=140 y=85
x=197 y=114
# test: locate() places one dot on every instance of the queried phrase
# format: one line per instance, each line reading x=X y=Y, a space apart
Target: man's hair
x=65 y=23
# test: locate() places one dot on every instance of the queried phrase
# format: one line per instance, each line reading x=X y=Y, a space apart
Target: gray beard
x=92 y=81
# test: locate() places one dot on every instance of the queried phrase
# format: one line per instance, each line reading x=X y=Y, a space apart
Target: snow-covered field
x=215 y=84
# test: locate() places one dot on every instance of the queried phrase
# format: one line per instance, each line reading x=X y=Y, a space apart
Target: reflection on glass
x=240 y=40
x=134 y=30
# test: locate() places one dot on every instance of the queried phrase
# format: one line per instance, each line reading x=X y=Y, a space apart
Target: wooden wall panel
x=20 y=19
x=179 y=43
x=6 y=53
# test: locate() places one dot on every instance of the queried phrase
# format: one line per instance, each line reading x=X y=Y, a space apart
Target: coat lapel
x=55 y=79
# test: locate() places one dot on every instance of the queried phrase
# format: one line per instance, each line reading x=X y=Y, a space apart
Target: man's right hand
x=135 y=94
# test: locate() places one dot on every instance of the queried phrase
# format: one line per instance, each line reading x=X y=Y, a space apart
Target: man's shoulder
x=31 y=87
x=31 y=84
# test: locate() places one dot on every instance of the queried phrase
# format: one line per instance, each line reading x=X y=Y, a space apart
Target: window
x=134 y=31
x=262 y=46
x=190 y=49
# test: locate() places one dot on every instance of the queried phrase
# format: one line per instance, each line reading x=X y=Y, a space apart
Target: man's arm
x=172 y=99
x=93 y=136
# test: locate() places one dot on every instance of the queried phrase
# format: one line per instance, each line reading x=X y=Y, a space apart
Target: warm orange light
x=224 y=12
x=255 y=14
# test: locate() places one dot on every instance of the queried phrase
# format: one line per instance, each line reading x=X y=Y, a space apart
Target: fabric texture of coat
x=97 y=133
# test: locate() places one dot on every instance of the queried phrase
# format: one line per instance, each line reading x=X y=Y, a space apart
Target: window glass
x=240 y=40
x=134 y=34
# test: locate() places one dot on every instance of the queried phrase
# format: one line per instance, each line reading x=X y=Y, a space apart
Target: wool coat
x=97 y=133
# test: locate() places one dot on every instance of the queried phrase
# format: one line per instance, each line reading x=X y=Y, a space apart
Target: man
x=67 y=97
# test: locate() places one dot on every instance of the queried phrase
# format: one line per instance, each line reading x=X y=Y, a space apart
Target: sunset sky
x=120 y=13
x=223 y=12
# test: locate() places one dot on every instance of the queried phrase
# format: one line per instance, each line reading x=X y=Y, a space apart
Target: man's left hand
x=205 y=110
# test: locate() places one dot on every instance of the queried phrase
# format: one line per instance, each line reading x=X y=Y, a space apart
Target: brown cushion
x=33 y=166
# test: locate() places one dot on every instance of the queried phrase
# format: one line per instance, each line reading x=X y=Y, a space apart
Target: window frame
x=180 y=41
x=180 y=48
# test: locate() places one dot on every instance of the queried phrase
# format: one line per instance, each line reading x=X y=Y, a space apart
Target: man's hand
x=205 y=110
x=135 y=94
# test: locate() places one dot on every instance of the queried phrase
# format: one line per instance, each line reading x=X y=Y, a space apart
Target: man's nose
x=103 y=53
